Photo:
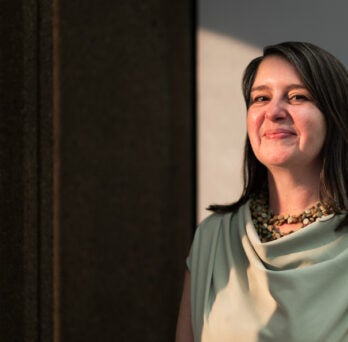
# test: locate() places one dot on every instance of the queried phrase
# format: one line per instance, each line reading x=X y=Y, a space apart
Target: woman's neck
x=291 y=193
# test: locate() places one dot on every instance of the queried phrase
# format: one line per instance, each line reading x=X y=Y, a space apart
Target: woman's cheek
x=253 y=125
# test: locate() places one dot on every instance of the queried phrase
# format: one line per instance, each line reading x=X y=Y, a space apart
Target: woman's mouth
x=279 y=133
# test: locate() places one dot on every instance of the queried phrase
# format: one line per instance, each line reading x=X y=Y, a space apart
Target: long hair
x=327 y=80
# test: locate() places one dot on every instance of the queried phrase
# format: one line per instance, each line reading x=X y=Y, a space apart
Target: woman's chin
x=277 y=159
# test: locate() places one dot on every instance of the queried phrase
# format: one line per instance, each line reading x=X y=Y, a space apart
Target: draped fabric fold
x=291 y=289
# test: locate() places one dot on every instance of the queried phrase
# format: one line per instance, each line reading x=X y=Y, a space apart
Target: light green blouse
x=291 y=289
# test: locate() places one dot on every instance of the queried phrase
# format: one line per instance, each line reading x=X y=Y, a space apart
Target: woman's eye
x=260 y=99
x=298 y=98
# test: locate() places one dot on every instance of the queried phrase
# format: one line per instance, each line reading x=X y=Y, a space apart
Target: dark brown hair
x=327 y=80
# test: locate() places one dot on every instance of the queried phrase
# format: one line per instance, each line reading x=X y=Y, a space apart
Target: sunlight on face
x=285 y=127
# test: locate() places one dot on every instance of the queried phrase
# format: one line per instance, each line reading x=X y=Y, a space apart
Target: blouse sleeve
x=200 y=263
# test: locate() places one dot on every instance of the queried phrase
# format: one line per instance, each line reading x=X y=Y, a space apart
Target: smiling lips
x=279 y=133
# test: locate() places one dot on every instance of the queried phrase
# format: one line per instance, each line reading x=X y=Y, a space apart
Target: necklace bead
x=267 y=225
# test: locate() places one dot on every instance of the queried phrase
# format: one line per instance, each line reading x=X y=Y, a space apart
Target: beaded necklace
x=266 y=223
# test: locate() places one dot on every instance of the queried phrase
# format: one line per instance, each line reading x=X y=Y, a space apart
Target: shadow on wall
x=267 y=22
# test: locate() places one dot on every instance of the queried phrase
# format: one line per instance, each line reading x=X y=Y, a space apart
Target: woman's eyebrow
x=296 y=86
x=260 y=87
x=289 y=87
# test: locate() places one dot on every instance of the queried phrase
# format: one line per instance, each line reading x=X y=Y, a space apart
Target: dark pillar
x=126 y=166
x=26 y=274
x=96 y=168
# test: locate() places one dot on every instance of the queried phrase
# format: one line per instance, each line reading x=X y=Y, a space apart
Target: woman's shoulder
x=212 y=220
x=210 y=225
x=212 y=238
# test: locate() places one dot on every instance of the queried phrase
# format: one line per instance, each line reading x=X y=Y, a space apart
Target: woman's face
x=285 y=127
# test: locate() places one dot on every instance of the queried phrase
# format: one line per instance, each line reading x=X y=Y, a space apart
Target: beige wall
x=221 y=117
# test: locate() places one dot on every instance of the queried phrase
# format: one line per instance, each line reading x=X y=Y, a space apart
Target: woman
x=273 y=265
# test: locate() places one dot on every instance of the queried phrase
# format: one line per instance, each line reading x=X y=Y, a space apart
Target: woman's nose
x=276 y=110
